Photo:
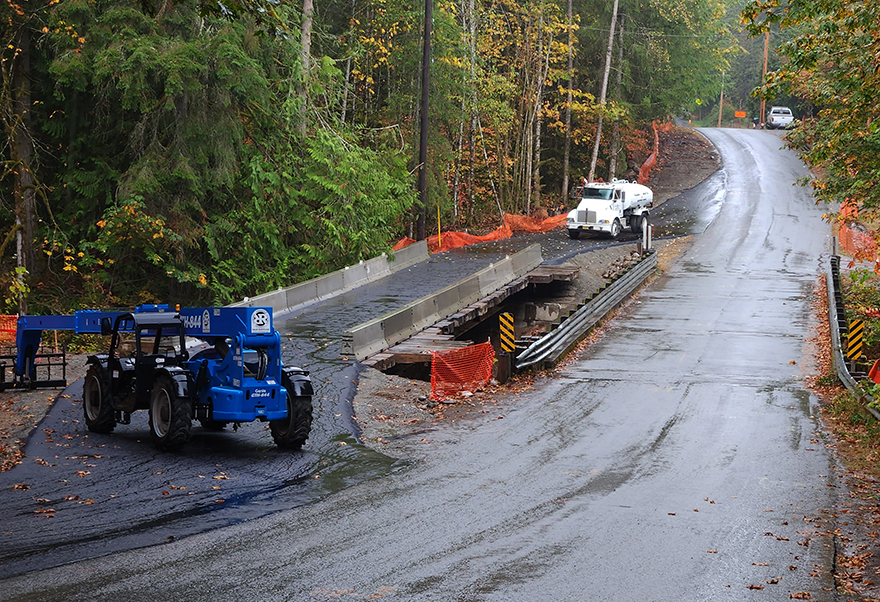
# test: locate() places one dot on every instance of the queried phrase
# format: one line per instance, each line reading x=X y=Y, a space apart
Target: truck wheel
x=170 y=416
x=292 y=432
x=574 y=234
x=635 y=223
x=96 y=406
x=615 y=228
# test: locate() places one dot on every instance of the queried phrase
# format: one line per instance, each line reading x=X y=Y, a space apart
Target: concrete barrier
x=385 y=331
x=340 y=281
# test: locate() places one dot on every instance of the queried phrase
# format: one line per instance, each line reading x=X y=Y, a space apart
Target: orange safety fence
x=515 y=223
x=651 y=161
x=523 y=223
x=8 y=327
x=856 y=242
x=463 y=369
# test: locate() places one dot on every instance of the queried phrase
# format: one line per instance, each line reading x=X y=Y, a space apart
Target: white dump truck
x=609 y=206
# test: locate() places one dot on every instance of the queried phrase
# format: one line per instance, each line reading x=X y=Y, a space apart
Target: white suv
x=778 y=117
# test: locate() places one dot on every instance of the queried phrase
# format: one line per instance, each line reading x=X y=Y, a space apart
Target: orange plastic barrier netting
x=857 y=244
x=8 y=327
x=462 y=369
x=651 y=161
x=522 y=223
x=515 y=223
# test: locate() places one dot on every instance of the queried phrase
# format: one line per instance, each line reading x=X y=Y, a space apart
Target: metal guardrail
x=549 y=348
x=837 y=323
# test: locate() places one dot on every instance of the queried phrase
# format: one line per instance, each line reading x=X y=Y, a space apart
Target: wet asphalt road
x=676 y=459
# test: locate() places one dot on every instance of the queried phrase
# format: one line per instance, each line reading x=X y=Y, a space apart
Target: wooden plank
x=412 y=358
x=380 y=361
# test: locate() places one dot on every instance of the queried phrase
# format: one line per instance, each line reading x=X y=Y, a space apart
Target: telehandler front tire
x=170 y=416
x=96 y=407
x=292 y=432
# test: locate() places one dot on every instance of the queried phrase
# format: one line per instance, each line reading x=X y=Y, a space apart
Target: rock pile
x=621 y=264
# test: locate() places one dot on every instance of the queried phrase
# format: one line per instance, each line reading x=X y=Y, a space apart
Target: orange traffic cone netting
x=463 y=369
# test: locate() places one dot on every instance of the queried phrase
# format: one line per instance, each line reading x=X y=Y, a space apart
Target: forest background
x=159 y=151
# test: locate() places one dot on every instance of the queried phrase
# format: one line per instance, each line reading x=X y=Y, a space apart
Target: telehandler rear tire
x=170 y=416
x=96 y=407
x=292 y=432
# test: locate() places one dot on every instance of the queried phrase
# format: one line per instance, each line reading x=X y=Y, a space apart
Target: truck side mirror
x=106 y=326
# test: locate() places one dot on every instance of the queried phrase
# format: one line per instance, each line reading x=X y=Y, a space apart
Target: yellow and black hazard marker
x=507 y=336
x=855 y=341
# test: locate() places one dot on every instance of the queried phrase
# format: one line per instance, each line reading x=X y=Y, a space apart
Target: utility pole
x=721 y=101
x=604 y=92
x=423 y=135
x=764 y=75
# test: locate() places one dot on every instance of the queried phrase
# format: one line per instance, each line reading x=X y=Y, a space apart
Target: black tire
x=96 y=406
x=636 y=223
x=615 y=228
x=574 y=234
x=170 y=416
x=292 y=432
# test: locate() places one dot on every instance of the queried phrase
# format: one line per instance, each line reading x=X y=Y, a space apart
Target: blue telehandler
x=217 y=365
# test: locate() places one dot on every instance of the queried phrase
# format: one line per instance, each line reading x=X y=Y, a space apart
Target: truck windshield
x=597 y=193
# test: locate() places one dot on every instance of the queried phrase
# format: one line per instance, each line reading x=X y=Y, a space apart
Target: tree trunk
x=23 y=150
x=543 y=67
x=604 y=92
x=345 y=88
x=305 y=60
x=566 y=153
